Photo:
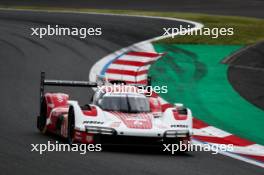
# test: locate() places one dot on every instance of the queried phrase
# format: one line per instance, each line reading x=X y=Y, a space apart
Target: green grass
x=196 y=78
x=246 y=30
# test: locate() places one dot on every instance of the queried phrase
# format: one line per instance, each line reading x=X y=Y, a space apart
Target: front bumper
x=111 y=136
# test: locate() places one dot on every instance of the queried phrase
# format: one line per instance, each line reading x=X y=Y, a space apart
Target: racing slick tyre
x=41 y=120
x=71 y=125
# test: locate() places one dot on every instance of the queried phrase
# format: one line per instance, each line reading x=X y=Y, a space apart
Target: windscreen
x=125 y=103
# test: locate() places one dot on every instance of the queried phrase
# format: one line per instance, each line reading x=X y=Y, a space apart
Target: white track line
x=235 y=156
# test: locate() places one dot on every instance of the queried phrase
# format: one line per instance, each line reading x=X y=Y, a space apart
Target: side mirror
x=179 y=105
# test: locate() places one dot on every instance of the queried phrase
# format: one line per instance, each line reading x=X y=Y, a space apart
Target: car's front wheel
x=71 y=125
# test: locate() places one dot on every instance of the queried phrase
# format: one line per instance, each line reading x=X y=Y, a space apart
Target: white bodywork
x=154 y=126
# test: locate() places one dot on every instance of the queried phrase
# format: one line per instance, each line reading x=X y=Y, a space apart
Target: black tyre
x=71 y=125
x=41 y=120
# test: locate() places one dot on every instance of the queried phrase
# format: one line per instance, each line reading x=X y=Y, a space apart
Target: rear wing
x=65 y=83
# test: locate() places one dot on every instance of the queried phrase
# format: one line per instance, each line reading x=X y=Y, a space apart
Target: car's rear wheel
x=71 y=125
x=42 y=119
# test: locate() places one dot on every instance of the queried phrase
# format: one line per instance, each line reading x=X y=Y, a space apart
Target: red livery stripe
x=136 y=123
x=154 y=94
x=165 y=106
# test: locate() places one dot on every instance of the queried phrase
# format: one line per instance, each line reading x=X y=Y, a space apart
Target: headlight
x=100 y=130
x=175 y=134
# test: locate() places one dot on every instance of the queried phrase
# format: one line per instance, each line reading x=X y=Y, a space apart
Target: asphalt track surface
x=252 y=8
x=24 y=56
x=246 y=74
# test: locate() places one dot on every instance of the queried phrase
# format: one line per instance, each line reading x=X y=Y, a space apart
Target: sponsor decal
x=93 y=122
x=179 y=126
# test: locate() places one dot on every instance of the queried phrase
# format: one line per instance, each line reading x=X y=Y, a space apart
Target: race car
x=113 y=116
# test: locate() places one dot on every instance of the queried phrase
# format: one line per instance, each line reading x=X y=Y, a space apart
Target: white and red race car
x=112 y=117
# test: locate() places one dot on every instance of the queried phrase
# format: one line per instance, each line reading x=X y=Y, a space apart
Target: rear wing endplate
x=65 y=83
